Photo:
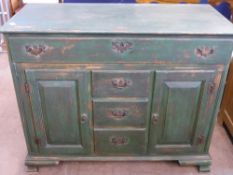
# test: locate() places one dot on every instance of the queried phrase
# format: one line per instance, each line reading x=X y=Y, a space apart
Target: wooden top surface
x=119 y=18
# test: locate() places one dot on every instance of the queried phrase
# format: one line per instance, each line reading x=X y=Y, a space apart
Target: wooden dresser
x=118 y=82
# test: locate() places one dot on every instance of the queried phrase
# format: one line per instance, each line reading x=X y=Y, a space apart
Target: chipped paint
x=67 y=48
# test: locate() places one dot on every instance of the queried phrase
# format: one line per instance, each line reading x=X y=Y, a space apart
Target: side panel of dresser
x=183 y=106
x=226 y=110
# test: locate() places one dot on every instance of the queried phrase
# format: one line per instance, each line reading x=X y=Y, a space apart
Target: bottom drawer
x=123 y=142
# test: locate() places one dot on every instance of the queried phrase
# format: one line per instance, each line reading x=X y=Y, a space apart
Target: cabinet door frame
x=210 y=80
x=81 y=78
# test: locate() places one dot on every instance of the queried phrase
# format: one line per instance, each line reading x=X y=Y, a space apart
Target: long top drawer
x=65 y=49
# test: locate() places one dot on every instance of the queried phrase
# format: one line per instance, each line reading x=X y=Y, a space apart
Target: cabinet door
x=183 y=104
x=59 y=102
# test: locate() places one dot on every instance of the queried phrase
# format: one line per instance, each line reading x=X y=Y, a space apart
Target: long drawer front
x=73 y=49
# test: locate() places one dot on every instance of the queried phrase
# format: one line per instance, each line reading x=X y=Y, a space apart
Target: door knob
x=155 y=118
x=84 y=118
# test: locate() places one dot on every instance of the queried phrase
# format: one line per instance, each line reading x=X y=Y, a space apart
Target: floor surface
x=13 y=148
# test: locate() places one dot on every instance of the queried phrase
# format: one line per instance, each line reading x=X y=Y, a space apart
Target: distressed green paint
x=137 y=83
x=143 y=89
x=135 y=143
x=121 y=113
x=59 y=99
x=63 y=49
x=182 y=100
x=180 y=114
x=60 y=110
x=120 y=18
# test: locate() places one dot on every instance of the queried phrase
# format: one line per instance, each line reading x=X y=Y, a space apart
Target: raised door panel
x=180 y=104
x=183 y=103
x=59 y=100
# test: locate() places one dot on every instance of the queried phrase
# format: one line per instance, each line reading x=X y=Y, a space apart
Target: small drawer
x=120 y=142
x=109 y=49
x=120 y=113
x=121 y=83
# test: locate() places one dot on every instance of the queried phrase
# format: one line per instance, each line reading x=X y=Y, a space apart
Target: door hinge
x=26 y=87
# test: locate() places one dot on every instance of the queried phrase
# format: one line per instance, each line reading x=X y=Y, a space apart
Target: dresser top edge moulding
x=158 y=19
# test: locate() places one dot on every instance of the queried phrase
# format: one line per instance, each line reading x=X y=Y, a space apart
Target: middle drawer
x=122 y=113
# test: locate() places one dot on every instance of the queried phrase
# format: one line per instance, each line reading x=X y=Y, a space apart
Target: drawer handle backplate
x=119 y=140
x=121 y=46
x=203 y=52
x=35 y=50
x=119 y=113
x=121 y=83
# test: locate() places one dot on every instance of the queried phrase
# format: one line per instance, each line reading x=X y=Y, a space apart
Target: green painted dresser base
x=203 y=162
x=118 y=82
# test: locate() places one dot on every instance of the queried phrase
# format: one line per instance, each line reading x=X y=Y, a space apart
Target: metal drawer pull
x=120 y=83
x=121 y=46
x=35 y=50
x=204 y=52
x=84 y=118
x=119 y=140
x=155 y=118
x=119 y=113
